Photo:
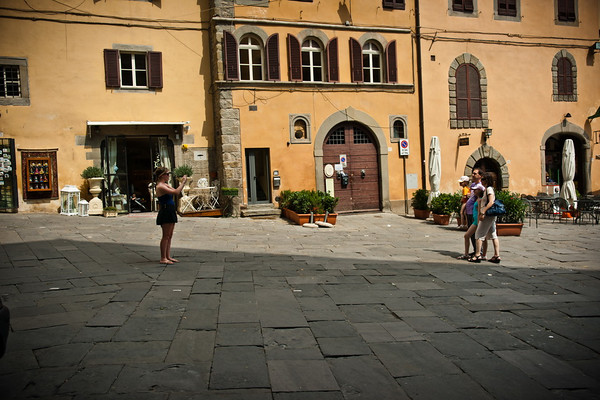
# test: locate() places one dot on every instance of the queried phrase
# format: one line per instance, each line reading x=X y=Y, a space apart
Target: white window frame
x=134 y=69
x=246 y=45
x=23 y=98
x=312 y=47
x=371 y=51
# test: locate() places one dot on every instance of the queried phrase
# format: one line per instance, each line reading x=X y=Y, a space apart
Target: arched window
x=565 y=76
x=468 y=92
x=299 y=128
x=251 y=59
x=312 y=61
x=371 y=62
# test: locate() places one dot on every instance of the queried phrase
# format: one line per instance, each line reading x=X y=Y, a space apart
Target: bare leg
x=165 y=243
x=467 y=237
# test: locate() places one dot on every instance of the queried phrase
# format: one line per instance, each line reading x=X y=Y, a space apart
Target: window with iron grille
x=14 y=89
x=337 y=137
x=10 y=83
x=361 y=137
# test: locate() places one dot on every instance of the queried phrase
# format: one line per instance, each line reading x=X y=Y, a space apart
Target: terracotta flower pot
x=509 y=229
x=301 y=219
x=441 y=219
x=421 y=214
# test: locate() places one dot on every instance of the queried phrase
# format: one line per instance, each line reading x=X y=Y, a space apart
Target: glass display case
x=39 y=174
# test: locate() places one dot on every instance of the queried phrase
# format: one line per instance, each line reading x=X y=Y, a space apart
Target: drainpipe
x=420 y=93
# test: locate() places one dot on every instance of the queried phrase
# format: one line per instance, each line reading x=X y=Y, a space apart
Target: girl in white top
x=486 y=229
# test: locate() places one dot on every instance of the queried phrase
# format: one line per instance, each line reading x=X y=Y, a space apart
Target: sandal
x=475 y=259
x=463 y=257
x=495 y=259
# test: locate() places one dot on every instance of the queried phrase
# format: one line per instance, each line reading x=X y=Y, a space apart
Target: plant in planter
x=110 y=211
x=419 y=203
x=442 y=207
x=511 y=223
x=298 y=205
x=179 y=172
x=94 y=177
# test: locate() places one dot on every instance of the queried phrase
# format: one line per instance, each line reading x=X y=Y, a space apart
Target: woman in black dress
x=167 y=212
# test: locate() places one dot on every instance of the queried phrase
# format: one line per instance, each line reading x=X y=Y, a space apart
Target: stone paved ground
x=375 y=308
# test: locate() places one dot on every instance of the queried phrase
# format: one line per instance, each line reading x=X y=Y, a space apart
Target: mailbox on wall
x=276 y=180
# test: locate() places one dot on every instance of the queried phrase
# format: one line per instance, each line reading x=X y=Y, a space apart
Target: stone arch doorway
x=551 y=155
x=490 y=160
x=352 y=115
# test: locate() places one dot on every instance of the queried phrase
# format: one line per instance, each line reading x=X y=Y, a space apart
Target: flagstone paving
x=376 y=308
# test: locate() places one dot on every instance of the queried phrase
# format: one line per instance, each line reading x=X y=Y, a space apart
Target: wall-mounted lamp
x=487 y=133
x=567 y=115
x=564 y=121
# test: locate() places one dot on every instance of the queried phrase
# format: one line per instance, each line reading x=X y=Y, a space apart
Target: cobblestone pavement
x=376 y=308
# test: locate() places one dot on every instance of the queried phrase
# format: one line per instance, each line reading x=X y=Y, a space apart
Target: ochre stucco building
x=272 y=95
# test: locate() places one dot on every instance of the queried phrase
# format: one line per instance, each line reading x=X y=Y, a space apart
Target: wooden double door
x=354 y=145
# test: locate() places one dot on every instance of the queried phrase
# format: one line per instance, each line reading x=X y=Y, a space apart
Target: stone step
x=261 y=211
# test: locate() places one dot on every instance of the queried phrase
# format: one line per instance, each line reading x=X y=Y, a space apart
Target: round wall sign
x=329 y=170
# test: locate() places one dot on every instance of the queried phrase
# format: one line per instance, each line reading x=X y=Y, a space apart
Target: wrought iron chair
x=531 y=211
x=587 y=208
x=561 y=209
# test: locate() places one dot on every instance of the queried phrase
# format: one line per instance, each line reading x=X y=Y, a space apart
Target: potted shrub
x=442 y=207
x=511 y=223
x=179 y=172
x=297 y=206
x=110 y=211
x=419 y=203
x=94 y=178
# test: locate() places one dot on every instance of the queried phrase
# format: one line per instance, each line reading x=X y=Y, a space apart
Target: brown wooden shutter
x=392 y=66
x=333 y=67
x=468 y=5
x=462 y=102
x=565 y=76
x=111 y=68
x=230 y=57
x=388 y=3
x=273 y=58
x=356 y=66
x=294 y=58
x=155 y=75
x=474 y=93
x=566 y=10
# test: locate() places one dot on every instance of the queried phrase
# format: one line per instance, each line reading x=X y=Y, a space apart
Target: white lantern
x=83 y=208
x=69 y=199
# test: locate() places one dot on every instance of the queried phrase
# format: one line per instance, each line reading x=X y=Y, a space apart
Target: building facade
x=264 y=96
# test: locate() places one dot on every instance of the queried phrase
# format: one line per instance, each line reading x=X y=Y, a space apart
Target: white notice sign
x=404 y=148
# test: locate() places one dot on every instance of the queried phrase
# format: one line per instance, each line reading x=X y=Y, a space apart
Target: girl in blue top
x=478 y=189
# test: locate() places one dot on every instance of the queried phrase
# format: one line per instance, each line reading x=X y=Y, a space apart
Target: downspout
x=420 y=93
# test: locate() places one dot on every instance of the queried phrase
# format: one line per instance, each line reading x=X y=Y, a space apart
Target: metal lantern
x=83 y=206
x=69 y=199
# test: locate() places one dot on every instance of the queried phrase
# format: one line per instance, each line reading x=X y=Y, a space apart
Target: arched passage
x=490 y=160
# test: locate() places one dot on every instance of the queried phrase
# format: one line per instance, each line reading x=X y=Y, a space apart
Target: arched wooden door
x=358 y=146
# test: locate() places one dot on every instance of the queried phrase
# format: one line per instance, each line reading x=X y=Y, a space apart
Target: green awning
x=596 y=115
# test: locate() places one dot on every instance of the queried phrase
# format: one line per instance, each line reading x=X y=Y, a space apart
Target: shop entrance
x=553 y=160
x=128 y=163
x=257 y=175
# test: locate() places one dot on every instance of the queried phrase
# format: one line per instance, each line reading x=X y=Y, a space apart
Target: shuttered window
x=294 y=58
x=394 y=4
x=273 y=73
x=565 y=76
x=462 y=5
x=392 y=69
x=507 y=8
x=133 y=70
x=230 y=57
x=251 y=59
x=371 y=63
x=566 y=10
x=468 y=92
x=332 y=61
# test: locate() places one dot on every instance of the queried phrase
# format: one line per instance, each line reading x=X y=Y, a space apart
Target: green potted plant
x=419 y=203
x=179 y=172
x=92 y=172
x=110 y=211
x=94 y=178
x=442 y=207
x=297 y=206
x=511 y=223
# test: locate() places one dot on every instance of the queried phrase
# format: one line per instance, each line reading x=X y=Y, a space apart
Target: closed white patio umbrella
x=435 y=168
x=567 y=191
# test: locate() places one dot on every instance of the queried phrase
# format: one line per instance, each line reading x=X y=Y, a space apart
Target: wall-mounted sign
x=463 y=141
x=343 y=160
x=404 y=147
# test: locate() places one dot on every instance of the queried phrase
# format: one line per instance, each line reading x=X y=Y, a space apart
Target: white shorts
x=486 y=229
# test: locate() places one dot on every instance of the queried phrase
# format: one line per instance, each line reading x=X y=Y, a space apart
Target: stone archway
x=565 y=130
x=351 y=114
x=497 y=160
